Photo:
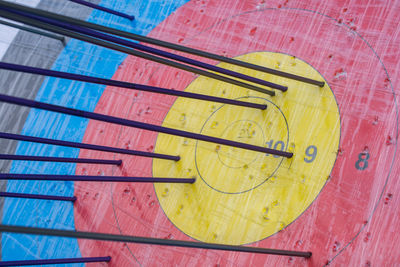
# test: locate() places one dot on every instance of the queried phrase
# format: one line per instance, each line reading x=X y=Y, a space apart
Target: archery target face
x=336 y=134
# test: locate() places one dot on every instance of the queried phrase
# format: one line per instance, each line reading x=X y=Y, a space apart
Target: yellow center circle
x=243 y=196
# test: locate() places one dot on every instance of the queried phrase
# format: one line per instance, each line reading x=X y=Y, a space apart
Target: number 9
x=311 y=154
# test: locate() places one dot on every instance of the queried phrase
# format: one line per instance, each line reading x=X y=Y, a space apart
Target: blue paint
x=77 y=57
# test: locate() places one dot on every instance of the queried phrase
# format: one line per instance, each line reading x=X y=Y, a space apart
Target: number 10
x=311 y=151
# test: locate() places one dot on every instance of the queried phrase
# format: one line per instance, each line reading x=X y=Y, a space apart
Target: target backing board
x=336 y=197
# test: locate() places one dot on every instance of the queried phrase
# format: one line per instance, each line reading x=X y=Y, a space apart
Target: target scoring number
x=311 y=151
x=243 y=196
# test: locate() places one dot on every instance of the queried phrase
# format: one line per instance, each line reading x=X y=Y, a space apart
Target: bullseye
x=243 y=170
x=245 y=196
x=248 y=131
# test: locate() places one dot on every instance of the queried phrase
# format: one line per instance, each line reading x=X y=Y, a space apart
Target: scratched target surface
x=337 y=217
x=351 y=218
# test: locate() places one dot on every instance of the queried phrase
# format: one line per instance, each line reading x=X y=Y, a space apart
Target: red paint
x=350 y=197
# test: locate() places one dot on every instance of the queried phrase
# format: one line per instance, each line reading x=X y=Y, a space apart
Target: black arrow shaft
x=148 y=240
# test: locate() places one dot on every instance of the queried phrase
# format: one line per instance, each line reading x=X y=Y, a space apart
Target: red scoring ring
x=133 y=209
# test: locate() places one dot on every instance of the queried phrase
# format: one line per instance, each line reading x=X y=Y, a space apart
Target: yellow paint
x=241 y=196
